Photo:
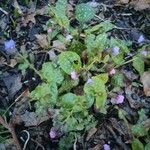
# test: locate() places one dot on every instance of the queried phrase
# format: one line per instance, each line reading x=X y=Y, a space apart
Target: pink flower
x=49 y=30
x=106 y=147
x=52 y=133
x=74 y=75
x=112 y=71
x=118 y=100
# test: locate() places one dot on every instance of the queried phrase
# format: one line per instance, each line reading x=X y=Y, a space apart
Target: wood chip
x=145 y=79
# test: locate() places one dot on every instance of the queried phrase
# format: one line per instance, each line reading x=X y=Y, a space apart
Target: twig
x=10 y=127
x=13 y=133
x=32 y=67
x=16 y=100
x=2 y=122
x=38 y=144
x=5 y=12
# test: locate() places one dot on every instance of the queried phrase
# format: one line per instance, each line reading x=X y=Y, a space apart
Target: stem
x=131 y=60
x=68 y=116
x=91 y=64
x=32 y=67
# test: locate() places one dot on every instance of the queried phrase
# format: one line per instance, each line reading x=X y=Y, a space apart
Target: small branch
x=131 y=60
x=13 y=133
x=10 y=127
x=32 y=67
x=38 y=144
x=3 y=123
x=2 y=10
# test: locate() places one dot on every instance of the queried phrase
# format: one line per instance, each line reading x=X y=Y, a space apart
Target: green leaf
x=40 y=91
x=60 y=13
x=70 y=124
x=80 y=126
x=97 y=91
x=68 y=100
x=139 y=130
x=147 y=146
x=123 y=45
x=142 y=116
x=100 y=28
x=101 y=41
x=103 y=77
x=137 y=145
x=106 y=59
x=138 y=64
x=119 y=59
x=90 y=39
x=67 y=85
x=84 y=12
x=77 y=46
x=96 y=44
x=69 y=61
x=23 y=66
x=46 y=96
x=117 y=80
x=51 y=74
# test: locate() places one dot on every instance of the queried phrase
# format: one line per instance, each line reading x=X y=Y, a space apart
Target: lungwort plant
x=71 y=85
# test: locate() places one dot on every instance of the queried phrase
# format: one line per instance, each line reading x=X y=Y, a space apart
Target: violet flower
x=74 y=75
x=10 y=46
x=144 y=53
x=106 y=147
x=118 y=100
x=141 y=39
x=115 y=50
x=52 y=133
x=89 y=81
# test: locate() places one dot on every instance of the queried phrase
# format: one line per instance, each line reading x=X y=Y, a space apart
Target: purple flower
x=52 y=133
x=144 y=53
x=89 y=81
x=10 y=46
x=74 y=75
x=118 y=100
x=115 y=50
x=141 y=39
x=106 y=147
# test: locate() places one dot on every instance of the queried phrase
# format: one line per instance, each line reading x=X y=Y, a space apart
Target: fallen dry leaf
x=145 y=79
x=140 y=4
x=13 y=63
x=42 y=40
x=3 y=61
x=147 y=124
x=91 y=133
x=124 y=1
x=28 y=18
x=58 y=44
